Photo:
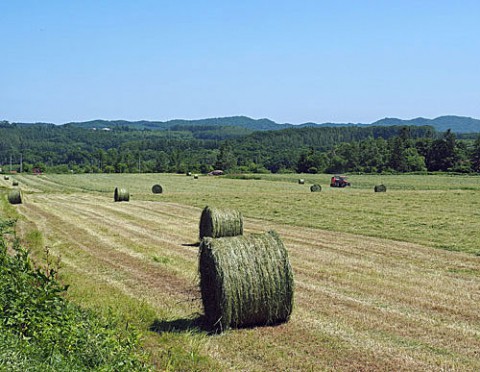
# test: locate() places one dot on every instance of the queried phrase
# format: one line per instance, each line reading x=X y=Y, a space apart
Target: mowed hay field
x=384 y=281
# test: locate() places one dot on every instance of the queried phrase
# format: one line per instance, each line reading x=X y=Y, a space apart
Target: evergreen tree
x=226 y=159
x=442 y=154
x=475 y=156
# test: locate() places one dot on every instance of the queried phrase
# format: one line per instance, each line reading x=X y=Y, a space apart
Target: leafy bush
x=41 y=330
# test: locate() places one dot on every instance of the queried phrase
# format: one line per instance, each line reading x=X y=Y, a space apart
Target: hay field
x=384 y=281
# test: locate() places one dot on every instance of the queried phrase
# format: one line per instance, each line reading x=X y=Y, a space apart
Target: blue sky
x=289 y=61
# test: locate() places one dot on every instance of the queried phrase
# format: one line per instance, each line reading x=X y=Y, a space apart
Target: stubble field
x=384 y=281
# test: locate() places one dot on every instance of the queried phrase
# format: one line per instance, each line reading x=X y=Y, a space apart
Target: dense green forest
x=197 y=148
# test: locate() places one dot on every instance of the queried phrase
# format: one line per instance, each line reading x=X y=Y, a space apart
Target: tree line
x=185 y=148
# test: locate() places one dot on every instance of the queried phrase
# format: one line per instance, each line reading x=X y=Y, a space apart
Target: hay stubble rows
x=360 y=302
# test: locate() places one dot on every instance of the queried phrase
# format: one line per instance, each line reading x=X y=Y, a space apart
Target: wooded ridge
x=458 y=124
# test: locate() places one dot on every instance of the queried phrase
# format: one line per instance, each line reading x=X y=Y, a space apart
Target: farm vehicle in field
x=339 y=181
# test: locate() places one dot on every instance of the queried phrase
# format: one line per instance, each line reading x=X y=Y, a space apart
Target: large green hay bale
x=219 y=223
x=245 y=281
x=14 y=183
x=6 y=178
x=189 y=174
x=15 y=197
x=121 y=194
x=315 y=188
x=301 y=181
x=157 y=189
x=380 y=188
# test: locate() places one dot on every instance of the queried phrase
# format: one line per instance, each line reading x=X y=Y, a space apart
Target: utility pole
x=10 y=163
x=21 y=162
x=138 y=162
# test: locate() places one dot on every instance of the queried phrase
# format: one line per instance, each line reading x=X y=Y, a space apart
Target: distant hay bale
x=6 y=178
x=195 y=176
x=14 y=183
x=219 y=223
x=301 y=181
x=245 y=281
x=121 y=194
x=315 y=188
x=157 y=189
x=15 y=197
x=380 y=188
x=189 y=174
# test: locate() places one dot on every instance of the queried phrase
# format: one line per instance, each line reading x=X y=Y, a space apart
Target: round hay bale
x=6 y=178
x=14 y=183
x=157 y=189
x=315 y=188
x=301 y=181
x=195 y=176
x=121 y=194
x=245 y=281
x=15 y=197
x=189 y=174
x=380 y=188
x=217 y=223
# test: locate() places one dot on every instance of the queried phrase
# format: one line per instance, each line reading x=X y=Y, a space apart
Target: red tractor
x=339 y=181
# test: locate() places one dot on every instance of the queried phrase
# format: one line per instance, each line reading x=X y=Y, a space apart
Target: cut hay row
x=121 y=195
x=218 y=223
x=380 y=188
x=107 y=254
x=157 y=189
x=245 y=281
x=315 y=188
x=15 y=197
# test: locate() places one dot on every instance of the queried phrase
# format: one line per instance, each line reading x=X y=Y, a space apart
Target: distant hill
x=458 y=124
x=234 y=121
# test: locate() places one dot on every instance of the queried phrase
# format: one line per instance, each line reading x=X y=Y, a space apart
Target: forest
x=234 y=149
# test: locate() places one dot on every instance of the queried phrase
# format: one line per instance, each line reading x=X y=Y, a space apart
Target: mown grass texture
x=434 y=210
x=360 y=303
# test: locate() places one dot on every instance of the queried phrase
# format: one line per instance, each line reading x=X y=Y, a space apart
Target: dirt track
x=361 y=303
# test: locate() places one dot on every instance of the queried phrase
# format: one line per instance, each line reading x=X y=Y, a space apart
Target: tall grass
x=40 y=330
